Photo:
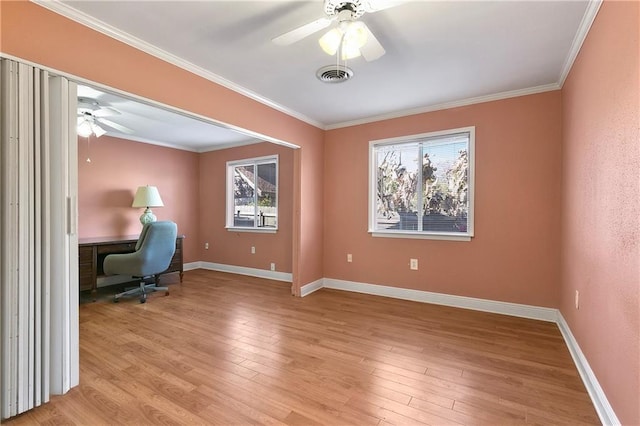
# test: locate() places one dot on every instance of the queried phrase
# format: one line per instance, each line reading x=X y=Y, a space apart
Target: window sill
x=421 y=236
x=257 y=230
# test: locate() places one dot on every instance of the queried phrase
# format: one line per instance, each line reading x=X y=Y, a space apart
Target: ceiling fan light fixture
x=87 y=127
x=347 y=38
x=84 y=128
x=355 y=34
x=349 y=52
x=99 y=131
x=351 y=38
x=331 y=41
x=354 y=38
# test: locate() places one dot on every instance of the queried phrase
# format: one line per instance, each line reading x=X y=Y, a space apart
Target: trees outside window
x=252 y=193
x=423 y=185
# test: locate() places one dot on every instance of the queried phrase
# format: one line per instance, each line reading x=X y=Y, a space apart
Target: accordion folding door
x=38 y=237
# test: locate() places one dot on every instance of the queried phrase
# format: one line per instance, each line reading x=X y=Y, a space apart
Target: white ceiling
x=151 y=124
x=439 y=53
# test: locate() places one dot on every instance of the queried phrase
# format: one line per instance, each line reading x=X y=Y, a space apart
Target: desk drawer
x=176 y=265
x=86 y=279
x=85 y=254
x=117 y=248
x=85 y=263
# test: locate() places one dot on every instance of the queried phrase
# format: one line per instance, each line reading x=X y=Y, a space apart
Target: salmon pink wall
x=234 y=248
x=59 y=43
x=311 y=210
x=107 y=184
x=514 y=255
x=601 y=204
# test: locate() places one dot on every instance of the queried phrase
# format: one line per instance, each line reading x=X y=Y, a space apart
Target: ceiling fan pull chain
x=88 y=149
x=340 y=54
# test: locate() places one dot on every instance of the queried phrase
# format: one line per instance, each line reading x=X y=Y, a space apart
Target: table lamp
x=147 y=196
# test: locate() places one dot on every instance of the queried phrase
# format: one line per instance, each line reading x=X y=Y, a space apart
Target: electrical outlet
x=206 y=246
x=577 y=299
x=349 y=258
x=413 y=264
x=273 y=266
x=253 y=250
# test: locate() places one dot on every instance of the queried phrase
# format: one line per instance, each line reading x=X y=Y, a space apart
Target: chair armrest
x=123 y=264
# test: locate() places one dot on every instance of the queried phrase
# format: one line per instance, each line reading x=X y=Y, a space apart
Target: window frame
x=430 y=235
x=230 y=205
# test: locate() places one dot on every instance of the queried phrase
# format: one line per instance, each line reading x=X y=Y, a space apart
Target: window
x=421 y=186
x=252 y=194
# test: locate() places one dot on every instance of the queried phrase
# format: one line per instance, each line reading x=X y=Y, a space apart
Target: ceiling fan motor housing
x=334 y=7
x=87 y=106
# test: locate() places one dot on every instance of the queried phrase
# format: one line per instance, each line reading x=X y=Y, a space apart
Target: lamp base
x=147 y=217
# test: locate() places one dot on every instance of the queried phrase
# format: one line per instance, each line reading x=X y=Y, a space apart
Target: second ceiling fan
x=350 y=38
x=91 y=118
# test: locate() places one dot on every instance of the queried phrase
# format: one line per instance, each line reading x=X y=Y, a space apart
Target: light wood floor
x=227 y=349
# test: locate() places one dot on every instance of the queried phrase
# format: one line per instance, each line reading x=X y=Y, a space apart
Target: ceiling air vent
x=334 y=74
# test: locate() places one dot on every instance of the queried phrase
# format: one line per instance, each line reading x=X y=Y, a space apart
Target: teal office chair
x=153 y=254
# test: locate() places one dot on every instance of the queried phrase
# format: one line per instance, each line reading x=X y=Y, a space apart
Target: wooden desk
x=92 y=251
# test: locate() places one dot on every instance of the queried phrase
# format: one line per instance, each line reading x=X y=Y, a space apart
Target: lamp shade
x=147 y=196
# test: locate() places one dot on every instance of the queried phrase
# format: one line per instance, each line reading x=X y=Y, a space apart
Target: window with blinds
x=421 y=186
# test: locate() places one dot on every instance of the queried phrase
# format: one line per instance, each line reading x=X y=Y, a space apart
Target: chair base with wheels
x=142 y=290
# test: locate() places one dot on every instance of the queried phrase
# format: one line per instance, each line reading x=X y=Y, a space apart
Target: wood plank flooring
x=228 y=349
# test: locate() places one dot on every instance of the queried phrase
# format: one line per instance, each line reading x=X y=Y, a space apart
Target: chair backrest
x=156 y=246
x=143 y=235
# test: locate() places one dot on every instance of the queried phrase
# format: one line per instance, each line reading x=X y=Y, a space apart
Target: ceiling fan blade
x=106 y=112
x=372 y=49
x=116 y=126
x=302 y=32
x=371 y=6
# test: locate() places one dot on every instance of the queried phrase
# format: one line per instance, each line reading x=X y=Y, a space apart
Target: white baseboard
x=307 y=289
x=506 y=308
x=600 y=401
x=191 y=266
x=252 y=272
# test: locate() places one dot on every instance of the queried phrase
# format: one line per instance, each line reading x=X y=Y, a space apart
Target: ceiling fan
x=91 y=118
x=351 y=38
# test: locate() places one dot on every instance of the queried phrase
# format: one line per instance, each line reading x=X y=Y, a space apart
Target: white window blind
x=421 y=186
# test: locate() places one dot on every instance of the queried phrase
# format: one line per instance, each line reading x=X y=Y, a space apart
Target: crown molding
x=200 y=150
x=585 y=25
x=449 y=105
x=88 y=21
x=145 y=140
x=217 y=147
